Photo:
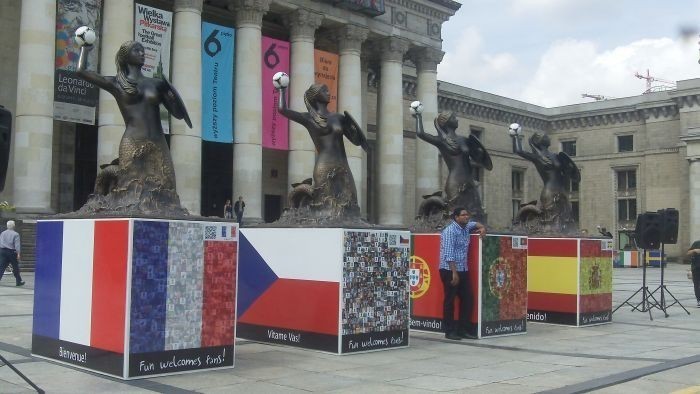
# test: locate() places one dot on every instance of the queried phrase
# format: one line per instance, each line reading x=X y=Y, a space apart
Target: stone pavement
x=633 y=354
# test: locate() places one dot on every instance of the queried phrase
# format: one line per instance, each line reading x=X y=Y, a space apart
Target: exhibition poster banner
x=75 y=99
x=595 y=282
x=503 y=285
x=152 y=29
x=275 y=58
x=217 y=82
x=133 y=297
x=326 y=72
x=375 y=291
x=426 y=286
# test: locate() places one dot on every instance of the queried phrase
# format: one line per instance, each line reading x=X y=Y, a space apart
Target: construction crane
x=662 y=83
x=596 y=97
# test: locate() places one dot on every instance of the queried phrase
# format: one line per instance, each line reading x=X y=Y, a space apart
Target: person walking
x=238 y=209
x=228 y=210
x=9 y=252
x=694 y=255
x=454 y=248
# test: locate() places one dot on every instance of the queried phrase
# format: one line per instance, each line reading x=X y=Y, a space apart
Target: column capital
x=302 y=23
x=195 y=5
x=426 y=58
x=249 y=12
x=350 y=38
x=392 y=49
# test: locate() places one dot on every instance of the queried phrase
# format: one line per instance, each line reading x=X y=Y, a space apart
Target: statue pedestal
x=336 y=290
x=497 y=274
x=569 y=280
x=134 y=298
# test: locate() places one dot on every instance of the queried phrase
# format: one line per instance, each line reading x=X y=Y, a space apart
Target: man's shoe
x=20 y=283
x=453 y=336
x=466 y=335
x=698 y=304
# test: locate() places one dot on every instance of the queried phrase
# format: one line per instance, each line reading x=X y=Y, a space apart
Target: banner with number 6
x=275 y=57
x=217 y=82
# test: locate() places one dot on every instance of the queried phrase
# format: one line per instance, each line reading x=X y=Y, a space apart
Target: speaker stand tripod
x=644 y=305
x=663 y=290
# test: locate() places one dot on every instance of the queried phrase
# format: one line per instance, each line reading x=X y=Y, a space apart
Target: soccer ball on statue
x=85 y=35
x=416 y=107
x=514 y=129
x=280 y=80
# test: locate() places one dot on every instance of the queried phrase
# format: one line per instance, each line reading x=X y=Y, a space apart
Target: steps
x=27 y=236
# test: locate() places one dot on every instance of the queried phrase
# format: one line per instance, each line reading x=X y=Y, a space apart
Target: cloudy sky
x=549 y=52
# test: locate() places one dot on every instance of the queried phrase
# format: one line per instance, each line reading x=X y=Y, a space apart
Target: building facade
x=636 y=154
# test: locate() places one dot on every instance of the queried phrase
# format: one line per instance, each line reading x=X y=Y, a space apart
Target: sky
x=549 y=52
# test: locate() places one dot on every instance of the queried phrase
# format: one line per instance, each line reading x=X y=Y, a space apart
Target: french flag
x=167 y=285
x=80 y=293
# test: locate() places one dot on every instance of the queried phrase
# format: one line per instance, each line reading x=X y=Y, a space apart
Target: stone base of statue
x=139 y=198
x=134 y=298
x=498 y=284
x=336 y=290
x=434 y=212
x=430 y=224
x=569 y=280
x=310 y=216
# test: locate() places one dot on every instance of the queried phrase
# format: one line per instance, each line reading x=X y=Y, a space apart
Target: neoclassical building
x=636 y=154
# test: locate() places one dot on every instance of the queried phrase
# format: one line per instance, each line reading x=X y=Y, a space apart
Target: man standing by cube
x=454 y=248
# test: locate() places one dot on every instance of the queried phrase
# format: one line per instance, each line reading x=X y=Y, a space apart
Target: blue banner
x=217 y=83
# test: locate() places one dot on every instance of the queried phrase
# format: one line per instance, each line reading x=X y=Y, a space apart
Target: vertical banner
x=275 y=57
x=326 y=72
x=217 y=82
x=152 y=29
x=503 y=285
x=75 y=99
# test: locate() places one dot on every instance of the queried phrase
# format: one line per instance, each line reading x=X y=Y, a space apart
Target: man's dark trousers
x=465 y=303
x=7 y=257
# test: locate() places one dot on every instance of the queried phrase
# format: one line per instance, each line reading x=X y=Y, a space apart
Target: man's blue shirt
x=454 y=245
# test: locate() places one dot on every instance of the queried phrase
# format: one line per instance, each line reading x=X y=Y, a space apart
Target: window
x=477 y=132
x=573 y=186
x=517 y=181
x=477 y=173
x=626 y=180
x=626 y=240
x=625 y=143
x=575 y=210
x=516 y=207
x=626 y=209
x=569 y=147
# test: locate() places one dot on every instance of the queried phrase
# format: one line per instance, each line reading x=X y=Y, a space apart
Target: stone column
x=247 y=111
x=302 y=153
x=33 y=137
x=363 y=193
x=350 y=40
x=390 y=132
x=692 y=141
x=117 y=27
x=694 y=197
x=427 y=158
x=186 y=143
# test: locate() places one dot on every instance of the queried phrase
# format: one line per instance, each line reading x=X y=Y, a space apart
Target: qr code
x=393 y=242
x=519 y=243
x=210 y=232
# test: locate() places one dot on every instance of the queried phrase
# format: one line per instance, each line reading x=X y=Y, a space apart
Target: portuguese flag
x=504 y=292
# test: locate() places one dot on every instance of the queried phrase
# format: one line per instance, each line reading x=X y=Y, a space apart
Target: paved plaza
x=633 y=354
